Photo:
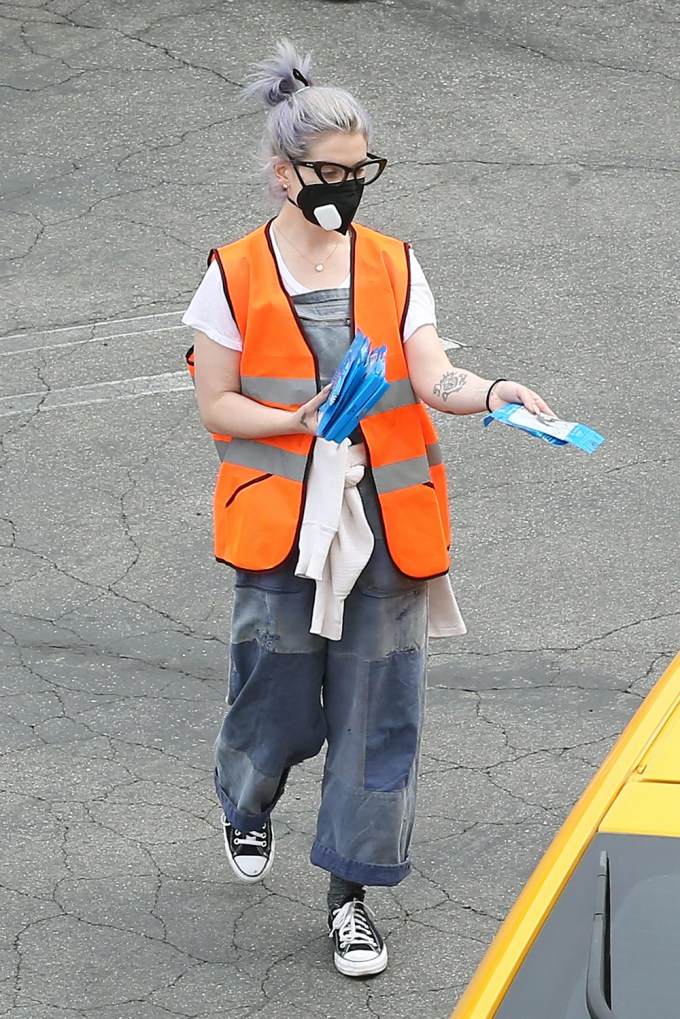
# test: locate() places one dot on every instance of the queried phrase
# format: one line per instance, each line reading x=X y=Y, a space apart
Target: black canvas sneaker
x=359 y=949
x=250 y=853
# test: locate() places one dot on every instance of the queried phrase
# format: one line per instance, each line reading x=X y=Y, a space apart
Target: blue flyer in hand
x=356 y=386
x=554 y=430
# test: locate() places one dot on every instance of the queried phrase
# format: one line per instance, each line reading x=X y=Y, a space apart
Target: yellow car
x=595 y=934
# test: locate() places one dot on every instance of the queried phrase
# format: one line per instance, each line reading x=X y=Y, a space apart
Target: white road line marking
x=17 y=346
x=102 y=322
x=106 y=328
x=100 y=392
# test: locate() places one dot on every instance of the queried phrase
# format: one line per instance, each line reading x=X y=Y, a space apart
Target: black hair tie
x=490 y=390
x=299 y=76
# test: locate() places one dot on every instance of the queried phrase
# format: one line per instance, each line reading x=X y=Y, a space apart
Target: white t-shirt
x=209 y=311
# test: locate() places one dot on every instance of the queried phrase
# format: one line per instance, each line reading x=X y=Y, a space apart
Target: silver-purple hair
x=300 y=112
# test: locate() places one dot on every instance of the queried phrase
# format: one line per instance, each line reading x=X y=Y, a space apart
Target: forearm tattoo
x=303 y=420
x=450 y=383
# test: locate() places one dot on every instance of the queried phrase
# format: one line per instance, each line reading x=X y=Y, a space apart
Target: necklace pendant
x=319 y=267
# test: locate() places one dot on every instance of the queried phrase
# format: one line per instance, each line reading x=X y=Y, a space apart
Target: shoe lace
x=251 y=838
x=352 y=925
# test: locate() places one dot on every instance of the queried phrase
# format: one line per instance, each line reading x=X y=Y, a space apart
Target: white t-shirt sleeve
x=421 y=310
x=209 y=310
x=210 y=313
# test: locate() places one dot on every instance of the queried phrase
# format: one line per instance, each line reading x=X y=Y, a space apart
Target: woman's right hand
x=306 y=417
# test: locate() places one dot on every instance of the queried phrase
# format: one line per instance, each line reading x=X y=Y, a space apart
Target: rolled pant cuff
x=357 y=872
x=244 y=822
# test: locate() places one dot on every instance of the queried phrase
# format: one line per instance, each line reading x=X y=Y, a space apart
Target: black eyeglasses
x=337 y=173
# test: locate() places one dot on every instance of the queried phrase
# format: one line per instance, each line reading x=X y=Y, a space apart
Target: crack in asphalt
x=159 y=47
x=586 y=644
x=425 y=8
x=184 y=628
x=36 y=240
x=42 y=88
x=187 y=133
x=118 y=315
x=641 y=463
x=23 y=423
x=27 y=189
x=507 y=164
x=160 y=229
x=89 y=649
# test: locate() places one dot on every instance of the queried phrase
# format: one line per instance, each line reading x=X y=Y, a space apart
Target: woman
x=326 y=659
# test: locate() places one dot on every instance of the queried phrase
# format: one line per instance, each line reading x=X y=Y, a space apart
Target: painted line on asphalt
x=66 y=336
x=118 y=328
x=19 y=348
x=100 y=392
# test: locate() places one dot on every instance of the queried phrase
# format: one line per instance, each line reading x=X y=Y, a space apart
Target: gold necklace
x=319 y=266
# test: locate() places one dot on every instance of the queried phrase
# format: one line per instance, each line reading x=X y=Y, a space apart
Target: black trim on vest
x=291 y=303
x=215 y=255
x=296 y=536
x=407 y=301
x=352 y=259
x=368 y=450
x=246 y=484
x=273 y=569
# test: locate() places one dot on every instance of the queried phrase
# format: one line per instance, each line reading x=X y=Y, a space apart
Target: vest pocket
x=256 y=516
x=233 y=483
x=246 y=484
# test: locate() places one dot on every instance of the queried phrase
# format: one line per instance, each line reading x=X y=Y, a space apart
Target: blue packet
x=357 y=355
x=356 y=385
x=344 y=380
x=553 y=430
x=366 y=398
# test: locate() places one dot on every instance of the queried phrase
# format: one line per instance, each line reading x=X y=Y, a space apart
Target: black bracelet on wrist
x=489 y=390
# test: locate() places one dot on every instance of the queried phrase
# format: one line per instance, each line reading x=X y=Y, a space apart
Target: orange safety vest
x=260 y=490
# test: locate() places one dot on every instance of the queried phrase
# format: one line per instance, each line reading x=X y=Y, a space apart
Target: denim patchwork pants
x=291 y=691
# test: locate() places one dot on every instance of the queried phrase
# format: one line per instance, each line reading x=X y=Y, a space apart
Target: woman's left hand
x=512 y=392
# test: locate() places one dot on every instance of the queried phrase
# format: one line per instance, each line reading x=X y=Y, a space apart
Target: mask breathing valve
x=328 y=217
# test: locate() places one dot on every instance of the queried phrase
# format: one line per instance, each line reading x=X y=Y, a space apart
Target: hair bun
x=274 y=80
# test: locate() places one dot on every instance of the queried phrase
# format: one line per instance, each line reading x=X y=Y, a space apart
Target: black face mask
x=331 y=206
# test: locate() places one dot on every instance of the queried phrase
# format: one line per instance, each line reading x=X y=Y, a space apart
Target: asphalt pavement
x=535 y=165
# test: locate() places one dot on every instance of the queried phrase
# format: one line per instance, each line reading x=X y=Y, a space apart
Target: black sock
x=341 y=891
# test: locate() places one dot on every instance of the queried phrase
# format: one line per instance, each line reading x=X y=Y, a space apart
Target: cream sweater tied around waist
x=336 y=543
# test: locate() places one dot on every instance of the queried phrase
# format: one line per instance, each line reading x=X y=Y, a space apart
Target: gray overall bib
x=290 y=691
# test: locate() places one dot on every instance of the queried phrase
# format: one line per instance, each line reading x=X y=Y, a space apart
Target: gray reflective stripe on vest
x=263 y=457
x=400 y=394
x=434 y=454
x=392 y=477
x=289 y=392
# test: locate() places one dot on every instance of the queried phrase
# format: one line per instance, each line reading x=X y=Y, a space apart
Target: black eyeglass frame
x=316 y=165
